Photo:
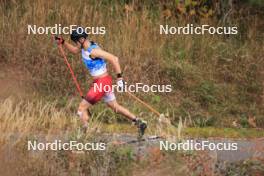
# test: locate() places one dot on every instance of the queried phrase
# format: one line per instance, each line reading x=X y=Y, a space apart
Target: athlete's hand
x=120 y=84
x=59 y=40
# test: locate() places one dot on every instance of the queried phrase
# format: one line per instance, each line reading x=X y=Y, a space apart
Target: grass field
x=217 y=82
x=213 y=77
x=24 y=120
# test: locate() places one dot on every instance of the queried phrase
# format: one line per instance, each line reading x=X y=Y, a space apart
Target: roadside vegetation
x=18 y=124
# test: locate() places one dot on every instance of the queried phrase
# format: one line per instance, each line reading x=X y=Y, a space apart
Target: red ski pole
x=71 y=71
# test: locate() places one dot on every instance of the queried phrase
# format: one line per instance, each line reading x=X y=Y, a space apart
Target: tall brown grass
x=216 y=79
x=26 y=120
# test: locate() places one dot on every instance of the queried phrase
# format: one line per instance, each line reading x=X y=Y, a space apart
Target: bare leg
x=121 y=110
x=142 y=125
x=83 y=112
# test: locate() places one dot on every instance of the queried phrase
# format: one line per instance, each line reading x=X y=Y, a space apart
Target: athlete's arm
x=71 y=48
x=107 y=56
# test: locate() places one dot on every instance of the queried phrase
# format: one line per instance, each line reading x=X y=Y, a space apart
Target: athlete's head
x=79 y=35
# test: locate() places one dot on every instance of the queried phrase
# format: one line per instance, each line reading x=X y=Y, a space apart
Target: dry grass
x=29 y=117
x=217 y=77
x=38 y=116
x=217 y=80
x=23 y=120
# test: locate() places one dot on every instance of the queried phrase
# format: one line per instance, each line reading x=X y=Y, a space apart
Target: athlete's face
x=80 y=42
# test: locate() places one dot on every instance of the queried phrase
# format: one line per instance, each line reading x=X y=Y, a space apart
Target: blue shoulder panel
x=92 y=46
